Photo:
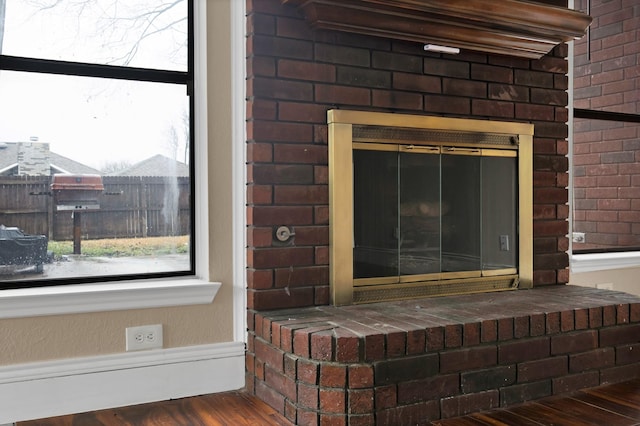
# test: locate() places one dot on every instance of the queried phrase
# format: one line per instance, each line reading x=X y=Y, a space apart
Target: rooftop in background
x=35 y=158
x=158 y=165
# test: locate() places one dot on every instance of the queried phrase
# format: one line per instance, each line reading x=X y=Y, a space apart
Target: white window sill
x=604 y=261
x=121 y=295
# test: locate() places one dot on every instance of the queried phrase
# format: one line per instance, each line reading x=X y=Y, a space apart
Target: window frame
x=196 y=289
x=39 y=66
x=584 y=262
x=602 y=259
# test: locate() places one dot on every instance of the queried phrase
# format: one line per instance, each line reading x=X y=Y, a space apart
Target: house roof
x=8 y=156
x=57 y=162
x=66 y=165
x=158 y=165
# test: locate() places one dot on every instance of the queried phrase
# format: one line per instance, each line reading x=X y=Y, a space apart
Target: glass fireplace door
x=423 y=206
x=375 y=224
x=432 y=213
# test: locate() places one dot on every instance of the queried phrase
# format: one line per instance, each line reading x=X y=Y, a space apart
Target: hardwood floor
x=223 y=409
x=612 y=405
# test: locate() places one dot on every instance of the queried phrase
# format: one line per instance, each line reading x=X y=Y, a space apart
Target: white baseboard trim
x=59 y=387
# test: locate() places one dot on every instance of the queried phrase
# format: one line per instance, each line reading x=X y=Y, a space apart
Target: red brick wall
x=295 y=74
x=364 y=365
x=606 y=173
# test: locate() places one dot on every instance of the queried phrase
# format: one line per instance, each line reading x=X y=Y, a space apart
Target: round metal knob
x=283 y=233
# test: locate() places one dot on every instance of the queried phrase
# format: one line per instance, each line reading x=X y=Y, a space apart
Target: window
x=96 y=157
x=606 y=131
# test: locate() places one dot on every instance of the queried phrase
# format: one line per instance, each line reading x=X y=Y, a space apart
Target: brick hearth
x=409 y=362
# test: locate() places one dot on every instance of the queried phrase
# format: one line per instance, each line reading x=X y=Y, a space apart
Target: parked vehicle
x=20 y=249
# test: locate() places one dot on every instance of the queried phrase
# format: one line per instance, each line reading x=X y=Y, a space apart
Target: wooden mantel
x=510 y=27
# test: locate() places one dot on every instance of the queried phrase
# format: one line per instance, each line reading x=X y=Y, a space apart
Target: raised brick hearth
x=410 y=362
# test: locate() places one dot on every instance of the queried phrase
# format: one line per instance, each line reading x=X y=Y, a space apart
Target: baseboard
x=54 y=388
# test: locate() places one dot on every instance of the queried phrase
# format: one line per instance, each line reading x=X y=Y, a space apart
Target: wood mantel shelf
x=510 y=27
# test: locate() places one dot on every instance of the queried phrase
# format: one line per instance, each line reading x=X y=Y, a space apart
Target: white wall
x=619 y=279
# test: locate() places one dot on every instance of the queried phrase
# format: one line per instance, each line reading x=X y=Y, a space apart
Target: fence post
x=50 y=213
x=77 y=232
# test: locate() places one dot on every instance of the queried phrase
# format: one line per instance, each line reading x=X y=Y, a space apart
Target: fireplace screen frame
x=351 y=130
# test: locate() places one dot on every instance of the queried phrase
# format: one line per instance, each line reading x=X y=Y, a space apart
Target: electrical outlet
x=144 y=337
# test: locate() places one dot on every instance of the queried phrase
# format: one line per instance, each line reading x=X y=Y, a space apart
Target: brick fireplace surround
x=410 y=362
x=415 y=361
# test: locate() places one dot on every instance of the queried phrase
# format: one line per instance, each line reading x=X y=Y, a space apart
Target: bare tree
x=3 y=9
x=177 y=139
x=124 y=26
x=172 y=192
x=112 y=167
x=186 y=132
x=173 y=141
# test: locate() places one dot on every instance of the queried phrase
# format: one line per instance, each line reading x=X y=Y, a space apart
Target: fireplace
x=426 y=206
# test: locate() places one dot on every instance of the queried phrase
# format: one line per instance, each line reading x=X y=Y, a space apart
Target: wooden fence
x=130 y=206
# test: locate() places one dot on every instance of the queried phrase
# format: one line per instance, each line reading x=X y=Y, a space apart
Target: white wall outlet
x=579 y=237
x=144 y=337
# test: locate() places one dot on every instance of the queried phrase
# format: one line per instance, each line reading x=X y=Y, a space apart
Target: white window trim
x=139 y=294
x=239 y=154
x=82 y=298
x=592 y=262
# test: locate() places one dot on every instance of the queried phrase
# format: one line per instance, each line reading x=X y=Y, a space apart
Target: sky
x=94 y=121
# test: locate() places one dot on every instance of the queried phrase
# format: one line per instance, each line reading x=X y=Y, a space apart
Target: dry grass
x=120 y=247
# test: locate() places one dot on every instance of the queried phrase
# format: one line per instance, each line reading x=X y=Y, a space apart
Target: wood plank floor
x=612 y=405
x=222 y=409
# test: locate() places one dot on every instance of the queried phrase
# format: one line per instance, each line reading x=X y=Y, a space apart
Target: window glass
x=606 y=185
x=606 y=72
x=139 y=33
x=606 y=130
x=95 y=175
x=102 y=123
